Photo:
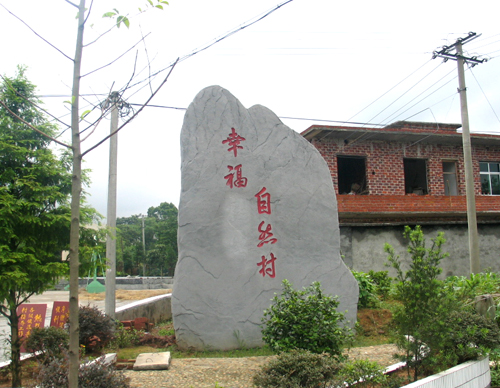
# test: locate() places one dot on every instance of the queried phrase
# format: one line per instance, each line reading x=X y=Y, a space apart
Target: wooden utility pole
x=475 y=265
x=110 y=300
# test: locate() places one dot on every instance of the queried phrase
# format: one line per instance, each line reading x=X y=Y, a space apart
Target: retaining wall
x=156 y=309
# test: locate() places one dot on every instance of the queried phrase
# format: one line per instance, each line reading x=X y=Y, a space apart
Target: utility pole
x=475 y=266
x=110 y=300
x=143 y=249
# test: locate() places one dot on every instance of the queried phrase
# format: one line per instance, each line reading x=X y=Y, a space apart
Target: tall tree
x=160 y=234
x=162 y=255
x=35 y=188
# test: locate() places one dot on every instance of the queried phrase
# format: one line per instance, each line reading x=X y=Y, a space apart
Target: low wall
x=127 y=283
x=156 y=309
x=362 y=247
x=472 y=374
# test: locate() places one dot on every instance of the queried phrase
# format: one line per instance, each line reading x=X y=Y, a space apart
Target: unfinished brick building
x=410 y=173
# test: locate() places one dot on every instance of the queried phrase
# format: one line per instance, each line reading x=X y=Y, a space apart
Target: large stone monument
x=257 y=206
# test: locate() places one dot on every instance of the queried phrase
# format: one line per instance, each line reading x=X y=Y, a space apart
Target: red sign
x=60 y=314
x=30 y=316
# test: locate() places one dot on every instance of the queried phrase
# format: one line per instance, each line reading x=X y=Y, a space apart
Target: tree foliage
x=421 y=323
x=160 y=234
x=35 y=189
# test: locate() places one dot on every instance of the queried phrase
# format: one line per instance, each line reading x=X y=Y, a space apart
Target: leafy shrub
x=305 y=319
x=91 y=375
x=471 y=335
x=367 y=296
x=474 y=285
x=362 y=374
x=50 y=341
x=383 y=283
x=125 y=338
x=96 y=328
x=298 y=369
x=495 y=368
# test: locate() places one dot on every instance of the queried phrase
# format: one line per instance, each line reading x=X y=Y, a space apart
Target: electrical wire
x=484 y=94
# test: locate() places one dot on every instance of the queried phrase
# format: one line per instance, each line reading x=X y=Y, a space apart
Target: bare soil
x=124 y=294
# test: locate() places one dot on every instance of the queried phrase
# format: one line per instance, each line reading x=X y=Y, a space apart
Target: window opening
x=351 y=175
x=415 y=176
x=450 y=178
x=490 y=178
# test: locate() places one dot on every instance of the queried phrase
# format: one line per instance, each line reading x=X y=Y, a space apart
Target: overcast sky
x=310 y=59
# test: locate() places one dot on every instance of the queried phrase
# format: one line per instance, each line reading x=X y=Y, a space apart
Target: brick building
x=410 y=173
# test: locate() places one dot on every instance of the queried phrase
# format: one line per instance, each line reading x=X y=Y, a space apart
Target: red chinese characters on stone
x=266 y=236
x=240 y=181
x=234 y=141
x=263 y=201
x=267 y=266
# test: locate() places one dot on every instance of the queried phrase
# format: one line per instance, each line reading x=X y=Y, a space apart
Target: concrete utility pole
x=143 y=249
x=475 y=266
x=110 y=301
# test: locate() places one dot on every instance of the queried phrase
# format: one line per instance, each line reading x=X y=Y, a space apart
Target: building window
x=351 y=175
x=490 y=178
x=415 y=176
x=450 y=178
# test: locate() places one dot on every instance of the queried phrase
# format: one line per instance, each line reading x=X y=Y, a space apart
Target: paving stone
x=152 y=361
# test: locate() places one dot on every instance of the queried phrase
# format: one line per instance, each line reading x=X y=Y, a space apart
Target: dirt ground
x=375 y=322
x=124 y=294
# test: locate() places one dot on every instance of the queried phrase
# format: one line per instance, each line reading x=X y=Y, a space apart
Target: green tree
x=162 y=255
x=160 y=234
x=420 y=322
x=34 y=215
x=35 y=188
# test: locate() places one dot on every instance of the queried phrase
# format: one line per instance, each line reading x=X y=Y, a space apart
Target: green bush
x=474 y=285
x=298 y=369
x=91 y=375
x=383 y=283
x=125 y=338
x=305 y=319
x=362 y=374
x=367 y=296
x=471 y=335
x=96 y=328
x=50 y=341
x=495 y=368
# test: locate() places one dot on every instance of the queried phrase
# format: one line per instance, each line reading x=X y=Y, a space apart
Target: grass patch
x=234 y=353
x=133 y=352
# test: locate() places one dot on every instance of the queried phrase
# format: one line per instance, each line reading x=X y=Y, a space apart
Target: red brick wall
x=384 y=163
x=414 y=203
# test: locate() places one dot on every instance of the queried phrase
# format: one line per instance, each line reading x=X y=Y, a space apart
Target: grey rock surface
x=257 y=206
